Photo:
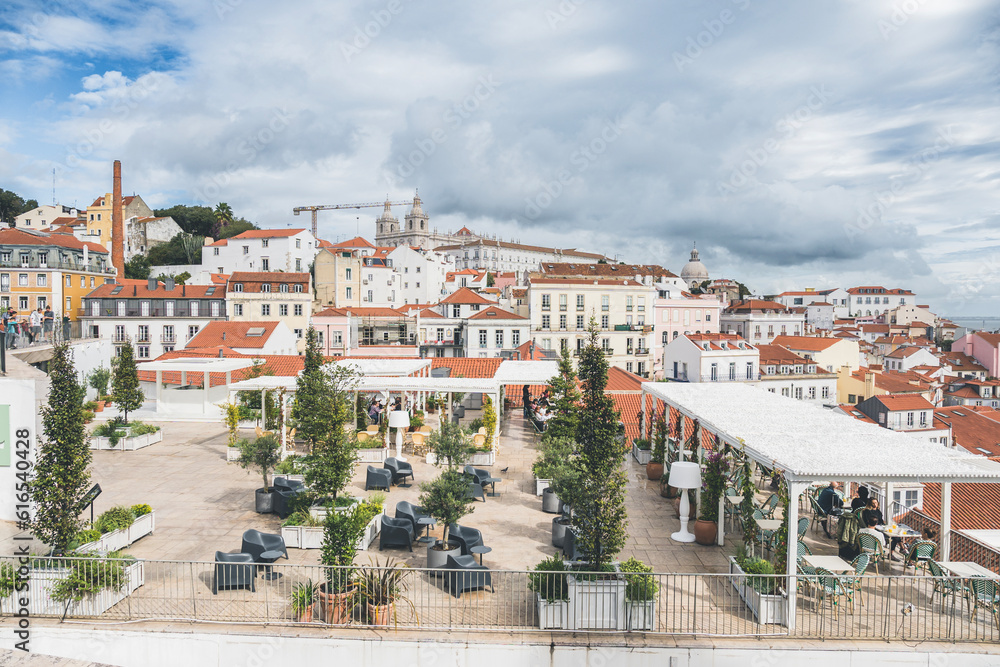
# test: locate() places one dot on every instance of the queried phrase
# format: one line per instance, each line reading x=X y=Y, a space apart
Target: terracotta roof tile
x=267 y=233
x=466 y=296
x=495 y=313
x=140 y=289
x=233 y=334
x=971 y=429
x=811 y=343
x=904 y=402
x=468 y=367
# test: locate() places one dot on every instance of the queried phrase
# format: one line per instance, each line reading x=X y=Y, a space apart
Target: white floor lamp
x=684 y=475
x=399 y=420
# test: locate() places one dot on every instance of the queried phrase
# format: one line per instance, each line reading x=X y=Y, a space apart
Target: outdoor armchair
x=871 y=546
x=396 y=533
x=400 y=469
x=467 y=575
x=466 y=537
x=985 y=595
x=255 y=543
x=478 y=474
x=285 y=491
x=410 y=512
x=920 y=554
x=233 y=571
x=947 y=586
x=378 y=479
x=476 y=491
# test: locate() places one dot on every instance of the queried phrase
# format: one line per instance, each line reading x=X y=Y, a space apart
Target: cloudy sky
x=824 y=143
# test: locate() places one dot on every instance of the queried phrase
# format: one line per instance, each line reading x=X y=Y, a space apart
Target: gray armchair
x=410 y=512
x=378 y=479
x=285 y=492
x=479 y=475
x=400 y=469
x=233 y=571
x=467 y=575
x=476 y=491
x=255 y=543
x=466 y=537
x=396 y=533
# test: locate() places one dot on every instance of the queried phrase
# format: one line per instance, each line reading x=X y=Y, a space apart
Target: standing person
x=828 y=500
x=36 y=325
x=11 y=328
x=48 y=318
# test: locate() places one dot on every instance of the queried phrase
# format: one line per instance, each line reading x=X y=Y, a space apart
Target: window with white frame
x=546 y=321
x=193 y=331
x=195 y=308
x=515 y=338
x=238 y=309
x=482 y=338
x=546 y=302
x=265 y=309
x=499 y=338
x=282 y=310
x=297 y=309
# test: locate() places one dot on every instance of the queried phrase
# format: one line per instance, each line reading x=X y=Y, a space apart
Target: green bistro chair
x=819 y=516
x=802 y=549
x=803 y=525
x=732 y=511
x=985 y=595
x=829 y=586
x=871 y=546
x=763 y=536
x=860 y=567
x=920 y=554
x=946 y=585
x=768 y=506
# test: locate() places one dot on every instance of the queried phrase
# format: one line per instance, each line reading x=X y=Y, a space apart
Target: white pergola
x=191 y=365
x=811 y=444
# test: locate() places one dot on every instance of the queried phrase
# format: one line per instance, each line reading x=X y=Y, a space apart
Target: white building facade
x=284 y=297
x=261 y=250
x=759 y=322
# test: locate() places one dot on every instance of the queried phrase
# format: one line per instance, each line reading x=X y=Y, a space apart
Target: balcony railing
x=168 y=338
x=53 y=264
x=719 y=377
x=873 y=607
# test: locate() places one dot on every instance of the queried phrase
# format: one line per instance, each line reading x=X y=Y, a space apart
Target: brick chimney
x=117 y=229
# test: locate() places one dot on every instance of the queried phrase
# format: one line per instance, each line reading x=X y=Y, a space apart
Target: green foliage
x=330 y=466
x=549 y=579
x=553 y=454
x=781 y=535
x=90 y=405
x=659 y=442
x=137 y=268
x=171 y=253
x=599 y=515
x=446 y=498
x=322 y=403
x=141 y=428
x=360 y=413
x=231 y=418
x=565 y=400
x=88 y=416
x=714 y=484
x=304 y=596
x=61 y=477
x=249 y=400
x=260 y=455
x=192 y=219
x=293 y=465
x=116 y=518
x=141 y=509
x=489 y=420
x=490 y=280
x=90 y=576
x=98 y=379
x=640 y=586
x=431 y=403
x=384 y=583
x=417 y=420
x=236 y=227
x=302 y=518
x=125 y=387
x=8 y=579
x=341 y=531
x=451 y=445
x=178 y=278
x=473 y=427
x=641 y=443
x=86 y=537
x=13 y=205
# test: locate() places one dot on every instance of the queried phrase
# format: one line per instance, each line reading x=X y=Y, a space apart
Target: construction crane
x=334 y=207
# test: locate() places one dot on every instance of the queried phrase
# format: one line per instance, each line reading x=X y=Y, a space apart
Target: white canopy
x=526 y=372
x=385 y=367
x=196 y=365
x=810 y=443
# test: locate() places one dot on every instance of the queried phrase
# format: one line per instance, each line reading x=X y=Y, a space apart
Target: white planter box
x=552 y=615
x=41 y=582
x=292 y=536
x=377 y=455
x=127 y=444
x=766 y=608
x=598 y=604
x=144 y=525
x=642 y=456
x=232 y=453
x=431 y=459
x=640 y=615
x=541 y=485
x=311 y=537
x=483 y=458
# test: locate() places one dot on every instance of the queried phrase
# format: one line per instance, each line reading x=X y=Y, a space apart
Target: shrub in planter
x=87 y=536
x=261 y=455
x=640 y=585
x=417 y=420
x=141 y=509
x=88 y=416
x=341 y=531
x=713 y=485
x=293 y=465
x=138 y=428
x=553 y=455
x=98 y=379
x=642 y=443
x=90 y=576
x=304 y=597
x=381 y=586
x=90 y=405
x=116 y=518
x=549 y=580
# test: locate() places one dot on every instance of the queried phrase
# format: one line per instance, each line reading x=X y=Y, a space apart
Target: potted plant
x=761 y=593
x=416 y=421
x=380 y=587
x=641 y=449
x=303 y=600
x=654 y=468
x=98 y=380
x=640 y=595
x=447 y=497
x=713 y=484
x=553 y=453
x=341 y=532
x=548 y=583
x=564 y=488
x=231 y=418
x=430 y=404
x=261 y=455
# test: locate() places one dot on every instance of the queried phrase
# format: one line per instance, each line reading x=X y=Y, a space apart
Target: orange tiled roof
x=745 y=305
x=468 y=367
x=285 y=365
x=233 y=334
x=620 y=380
x=356 y=242
x=267 y=233
x=973 y=506
x=905 y=402
x=971 y=429
x=355 y=311
x=495 y=313
x=466 y=296
x=252 y=281
x=811 y=343
x=140 y=289
x=14 y=236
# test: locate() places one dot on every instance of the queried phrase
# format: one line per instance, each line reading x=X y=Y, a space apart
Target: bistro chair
x=860 y=566
x=829 y=586
x=871 y=546
x=803 y=525
x=920 y=554
x=946 y=585
x=985 y=595
x=768 y=506
x=763 y=536
x=363 y=436
x=819 y=516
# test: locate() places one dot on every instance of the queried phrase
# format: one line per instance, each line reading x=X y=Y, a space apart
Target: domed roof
x=694 y=272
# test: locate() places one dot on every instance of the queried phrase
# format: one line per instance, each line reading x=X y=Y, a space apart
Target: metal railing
x=910 y=608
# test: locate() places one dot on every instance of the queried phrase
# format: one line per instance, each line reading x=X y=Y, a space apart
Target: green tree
x=61 y=477
x=125 y=390
x=235 y=227
x=192 y=219
x=446 y=498
x=223 y=218
x=137 y=268
x=565 y=401
x=170 y=253
x=490 y=280
x=599 y=515
x=260 y=455
x=13 y=205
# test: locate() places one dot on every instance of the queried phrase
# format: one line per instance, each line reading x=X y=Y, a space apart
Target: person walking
x=48 y=319
x=35 y=320
x=11 y=328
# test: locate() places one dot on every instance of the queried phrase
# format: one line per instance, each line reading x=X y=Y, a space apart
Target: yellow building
x=99 y=215
x=39 y=269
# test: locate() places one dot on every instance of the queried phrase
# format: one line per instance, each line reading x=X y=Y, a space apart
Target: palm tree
x=223 y=217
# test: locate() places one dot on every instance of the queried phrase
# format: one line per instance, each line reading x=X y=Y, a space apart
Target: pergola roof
x=268 y=382
x=385 y=367
x=380 y=383
x=526 y=372
x=810 y=443
x=196 y=365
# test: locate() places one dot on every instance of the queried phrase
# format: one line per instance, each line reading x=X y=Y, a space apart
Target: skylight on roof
x=117 y=289
x=255 y=331
x=210 y=291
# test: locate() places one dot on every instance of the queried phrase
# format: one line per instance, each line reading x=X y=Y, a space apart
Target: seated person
x=861 y=500
x=869 y=529
x=872 y=510
x=828 y=500
x=543 y=415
